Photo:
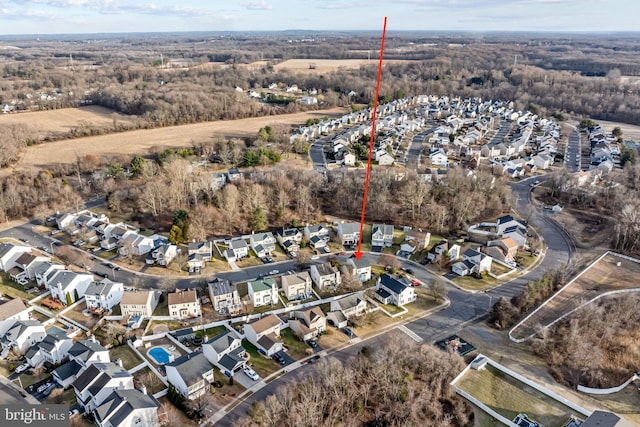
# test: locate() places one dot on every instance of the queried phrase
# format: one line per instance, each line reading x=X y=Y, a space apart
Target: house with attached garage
x=12 y=310
x=316 y=231
x=419 y=237
x=225 y=351
x=163 y=255
x=439 y=158
x=393 y=290
x=199 y=254
x=346 y=307
x=265 y=334
x=224 y=296
x=263 y=292
x=190 y=375
x=68 y=286
x=238 y=249
x=184 y=304
x=98 y=381
x=127 y=408
x=325 y=276
x=360 y=268
x=22 y=335
x=44 y=269
x=381 y=236
x=9 y=253
x=263 y=244
x=349 y=233
x=26 y=266
x=472 y=262
x=139 y=303
x=307 y=324
x=103 y=295
x=53 y=348
x=81 y=355
x=296 y=286
x=289 y=239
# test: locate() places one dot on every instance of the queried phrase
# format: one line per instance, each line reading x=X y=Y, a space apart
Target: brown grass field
x=328 y=65
x=628 y=131
x=60 y=122
x=601 y=277
x=140 y=141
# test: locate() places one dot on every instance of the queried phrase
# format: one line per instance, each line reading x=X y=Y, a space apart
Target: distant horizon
x=66 y=17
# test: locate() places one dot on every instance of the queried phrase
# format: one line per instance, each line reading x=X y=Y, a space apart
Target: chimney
x=119 y=363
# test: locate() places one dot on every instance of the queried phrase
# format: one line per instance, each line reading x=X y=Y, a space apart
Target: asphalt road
x=573 y=155
x=413 y=153
x=316 y=152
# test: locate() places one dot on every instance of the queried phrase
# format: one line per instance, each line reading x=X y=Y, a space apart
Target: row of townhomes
x=604 y=149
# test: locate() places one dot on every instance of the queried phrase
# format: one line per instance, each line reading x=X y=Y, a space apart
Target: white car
x=251 y=373
x=20 y=369
x=43 y=387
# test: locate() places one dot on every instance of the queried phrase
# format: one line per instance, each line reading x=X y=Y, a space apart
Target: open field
x=611 y=273
x=55 y=123
x=140 y=141
x=327 y=65
x=510 y=397
x=628 y=131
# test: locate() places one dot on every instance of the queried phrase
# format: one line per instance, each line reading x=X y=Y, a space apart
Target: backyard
x=129 y=358
x=295 y=348
x=13 y=289
x=76 y=314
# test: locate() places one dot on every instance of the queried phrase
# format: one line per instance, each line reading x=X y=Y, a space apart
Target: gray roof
x=191 y=367
x=325 y=269
x=238 y=244
x=67 y=370
x=196 y=246
x=223 y=341
x=222 y=287
x=41 y=267
x=54 y=335
x=386 y=229
x=605 y=419
x=392 y=283
x=97 y=375
x=349 y=301
x=350 y=227
x=11 y=308
x=83 y=350
x=360 y=263
x=267 y=341
x=121 y=403
x=103 y=287
x=20 y=326
x=64 y=277
x=383 y=294
x=233 y=359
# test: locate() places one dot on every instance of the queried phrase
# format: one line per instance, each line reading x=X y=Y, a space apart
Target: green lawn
x=295 y=348
x=129 y=358
x=12 y=289
x=212 y=332
x=510 y=397
x=392 y=309
x=108 y=254
x=525 y=258
x=162 y=309
x=243 y=289
x=260 y=363
x=473 y=284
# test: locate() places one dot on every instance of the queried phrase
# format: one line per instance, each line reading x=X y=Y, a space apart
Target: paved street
x=573 y=156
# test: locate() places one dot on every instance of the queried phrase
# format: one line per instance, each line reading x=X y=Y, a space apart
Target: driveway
x=241 y=378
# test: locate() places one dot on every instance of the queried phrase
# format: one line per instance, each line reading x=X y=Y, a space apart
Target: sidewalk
x=29 y=398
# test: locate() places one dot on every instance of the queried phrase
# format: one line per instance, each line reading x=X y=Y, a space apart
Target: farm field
x=608 y=273
x=628 y=131
x=59 y=122
x=140 y=141
x=328 y=65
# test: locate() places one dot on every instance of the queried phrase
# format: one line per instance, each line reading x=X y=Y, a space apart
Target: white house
x=439 y=158
x=184 y=304
x=11 y=310
x=53 y=348
x=289 y=239
x=22 y=335
x=391 y=290
x=472 y=262
x=68 y=286
x=542 y=161
x=9 y=253
x=199 y=253
x=349 y=233
x=104 y=294
x=263 y=292
x=382 y=235
x=308 y=323
x=81 y=354
x=265 y=334
x=262 y=244
x=98 y=381
x=190 y=375
x=238 y=249
x=325 y=276
x=296 y=286
x=226 y=352
x=224 y=296
x=344 y=308
x=127 y=408
x=361 y=268
x=163 y=255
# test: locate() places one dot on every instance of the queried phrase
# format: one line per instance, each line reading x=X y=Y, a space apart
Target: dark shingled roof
x=121 y=403
x=191 y=367
x=67 y=370
x=392 y=283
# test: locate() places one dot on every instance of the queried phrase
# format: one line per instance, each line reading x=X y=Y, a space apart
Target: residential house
x=325 y=276
x=360 y=268
x=109 y=243
x=81 y=354
x=289 y=239
x=296 y=286
x=381 y=236
x=12 y=310
x=316 y=230
x=9 y=253
x=68 y=286
x=139 y=303
x=506 y=222
x=508 y=248
x=98 y=381
x=135 y=244
x=308 y=323
x=392 y=290
x=224 y=296
x=421 y=238
x=265 y=334
x=163 y=255
x=385 y=159
x=343 y=308
x=53 y=348
x=263 y=244
x=127 y=408
x=184 y=304
x=349 y=233
x=439 y=158
x=199 y=253
x=238 y=249
x=22 y=335
x=103 y=295
x=263 y=292
x=472 y=262
x=407 y=248
x=190 y=375
x=542 y=161
x=26 y=266
x=226 y=352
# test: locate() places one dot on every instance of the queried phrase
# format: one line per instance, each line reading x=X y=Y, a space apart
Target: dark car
x=347 y=331
x=312 y=343
x=314 y=359
x=279 y=358
x=409 y=270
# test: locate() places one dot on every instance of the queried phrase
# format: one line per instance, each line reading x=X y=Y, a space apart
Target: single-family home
x=9 y=253
x=233 y=174
x=308 y=323
x=139 y=303
x=184 y=304
x=127 y=408
x=421 y=238
x=508 y=247
x=349 y=233
x=542 y=161
x=392 y=290
x=289 y=239
x=381 y=236
x=53 y=348
x=81 y=354
x=224 y=296
x=265 y=334
x=263 y=244
x=135 y=244
x=163 y=255
x=506 y=222
x=316 y=230
x=22 y=335
x=44 y=269
x=103 y=295
x=238 y=249
x=98 y=381
x=472 y=262
x=360 y=268
x=439 y=158
x=325 y=276
x=190 y=375
x=263 y=292
x=68 y=286
x=199 y=253
x=296 y=286
x=11 y=310
x=226 y=352
x=344 y=308
x=26 y=266
x=385 y=159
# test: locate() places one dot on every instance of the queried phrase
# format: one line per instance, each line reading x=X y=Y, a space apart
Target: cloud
x=116 y=7
x=256 y=5
x=345 y=5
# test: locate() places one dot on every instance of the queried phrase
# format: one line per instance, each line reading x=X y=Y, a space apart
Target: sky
x=116 y=16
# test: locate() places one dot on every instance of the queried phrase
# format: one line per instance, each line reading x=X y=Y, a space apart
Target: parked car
x=20 y=369
x=43 y=387
x=314 y=359
x=251 y=373
x=415 y=283
x=312 y=343
x=274 y=272
x=74 y=412
x=278 y=358
x=348 y=332
x=49 y=389
x=409 y=271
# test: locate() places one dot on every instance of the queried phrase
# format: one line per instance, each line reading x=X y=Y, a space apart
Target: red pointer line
x=358 y=253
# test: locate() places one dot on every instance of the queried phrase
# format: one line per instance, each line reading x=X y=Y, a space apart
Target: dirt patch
x=140 y=141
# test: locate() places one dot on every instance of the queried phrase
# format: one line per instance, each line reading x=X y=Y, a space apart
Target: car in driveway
x=408 y=270
x=73 y=412
x=43 y=387
x=20 y=369
x=348 y=332
x=312 y=343
x=279 y=358
x=251 y=373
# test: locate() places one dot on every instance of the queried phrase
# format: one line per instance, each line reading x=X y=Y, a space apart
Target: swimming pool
x=160 y=355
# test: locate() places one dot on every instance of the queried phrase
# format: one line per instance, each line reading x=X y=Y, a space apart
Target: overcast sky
x=93 y=16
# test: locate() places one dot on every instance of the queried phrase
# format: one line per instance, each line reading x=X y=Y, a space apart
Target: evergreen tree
x=258 y=220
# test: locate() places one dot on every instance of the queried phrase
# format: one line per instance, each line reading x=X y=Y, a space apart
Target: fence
x=608 y=390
